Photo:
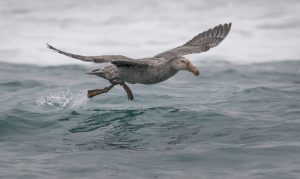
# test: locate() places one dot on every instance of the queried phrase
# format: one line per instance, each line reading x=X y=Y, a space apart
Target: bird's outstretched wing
x=201 y=43
x=118 y=60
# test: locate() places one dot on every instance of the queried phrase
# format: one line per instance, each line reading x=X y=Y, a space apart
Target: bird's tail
x=97 y=72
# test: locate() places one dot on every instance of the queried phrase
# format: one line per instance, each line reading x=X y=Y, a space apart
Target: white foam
x=263 y=30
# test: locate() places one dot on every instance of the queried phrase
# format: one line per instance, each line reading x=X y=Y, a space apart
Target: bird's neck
x=171 y=69
x=171 y=64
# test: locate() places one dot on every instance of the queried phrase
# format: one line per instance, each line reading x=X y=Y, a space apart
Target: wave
x=256 y=26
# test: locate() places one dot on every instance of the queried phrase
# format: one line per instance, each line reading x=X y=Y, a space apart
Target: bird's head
x=181 y=63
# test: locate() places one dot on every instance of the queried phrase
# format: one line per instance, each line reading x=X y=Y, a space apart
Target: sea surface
x=240 y=119
x=233 y=121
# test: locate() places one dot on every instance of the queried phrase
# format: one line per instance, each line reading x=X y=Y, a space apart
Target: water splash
x=62 y=98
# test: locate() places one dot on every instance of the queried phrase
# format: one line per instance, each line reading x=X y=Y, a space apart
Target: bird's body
x=154 y=69
x=158 y=70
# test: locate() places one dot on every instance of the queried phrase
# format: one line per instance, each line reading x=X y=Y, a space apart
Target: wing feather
x=115 y=59
x=200 y=43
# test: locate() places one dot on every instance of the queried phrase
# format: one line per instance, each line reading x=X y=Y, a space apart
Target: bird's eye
x=182 y=61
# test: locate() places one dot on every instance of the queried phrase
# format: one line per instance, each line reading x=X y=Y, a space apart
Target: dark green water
x=234 y=121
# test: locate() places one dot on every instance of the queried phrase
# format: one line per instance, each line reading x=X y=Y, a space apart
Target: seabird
x=154 y=69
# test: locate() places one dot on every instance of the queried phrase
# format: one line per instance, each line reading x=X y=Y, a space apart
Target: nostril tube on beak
x=193 y=69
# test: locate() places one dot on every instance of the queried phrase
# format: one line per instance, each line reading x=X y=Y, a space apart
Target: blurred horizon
x=262 y=31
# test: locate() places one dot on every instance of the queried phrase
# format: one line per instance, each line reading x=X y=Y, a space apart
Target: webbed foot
x=128 y=91
x=95 y=92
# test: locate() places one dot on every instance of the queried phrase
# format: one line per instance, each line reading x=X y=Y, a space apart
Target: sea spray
x=62 y=98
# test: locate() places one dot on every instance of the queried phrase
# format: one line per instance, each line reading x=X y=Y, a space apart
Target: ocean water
x=233 y=121
x=238 y=119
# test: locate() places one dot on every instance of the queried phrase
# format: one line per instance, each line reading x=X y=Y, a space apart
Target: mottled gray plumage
x=151 y=70
x=201 y=43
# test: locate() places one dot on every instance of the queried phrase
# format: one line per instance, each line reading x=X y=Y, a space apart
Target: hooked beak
x=193 y=69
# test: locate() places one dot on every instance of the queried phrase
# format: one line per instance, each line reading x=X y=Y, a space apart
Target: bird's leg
x=95 y=92
x=128 y=91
